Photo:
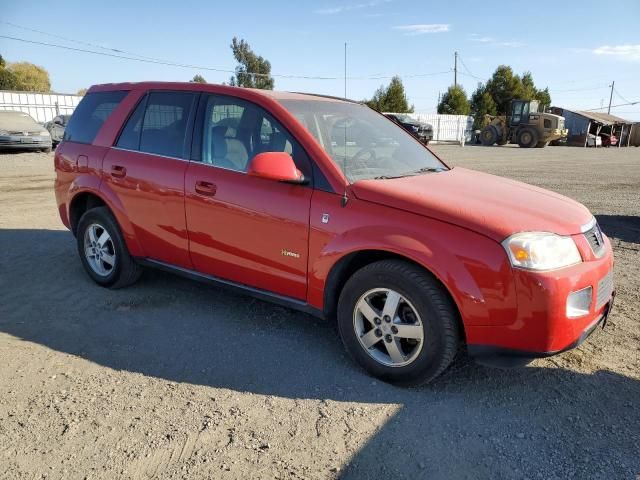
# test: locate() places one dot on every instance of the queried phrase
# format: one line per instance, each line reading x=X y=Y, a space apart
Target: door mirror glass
x=278 y=166
x=57 y=121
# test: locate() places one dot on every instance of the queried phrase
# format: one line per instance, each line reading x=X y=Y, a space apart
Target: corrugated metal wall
x=447 y=128
x=41 y=106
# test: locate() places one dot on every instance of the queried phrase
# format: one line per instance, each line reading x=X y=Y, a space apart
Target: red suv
x=326 y=206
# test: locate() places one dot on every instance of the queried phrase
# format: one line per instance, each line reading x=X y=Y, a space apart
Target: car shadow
x=474 y=422
x=622 y=227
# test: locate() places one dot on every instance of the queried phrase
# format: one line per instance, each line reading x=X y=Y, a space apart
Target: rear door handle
x=205 y=188
x=118 y=172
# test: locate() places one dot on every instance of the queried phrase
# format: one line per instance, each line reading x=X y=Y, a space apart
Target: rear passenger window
x=130 y=136
x=90 y=115
x=164 y=126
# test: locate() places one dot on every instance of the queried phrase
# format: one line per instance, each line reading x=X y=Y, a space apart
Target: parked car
x=56 y=128
x=608 y=139
x=421 y=130
x=18 y=131
x=411 y=257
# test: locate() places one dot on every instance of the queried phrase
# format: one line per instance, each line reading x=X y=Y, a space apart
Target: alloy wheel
x=99 y=250
x=388 y=327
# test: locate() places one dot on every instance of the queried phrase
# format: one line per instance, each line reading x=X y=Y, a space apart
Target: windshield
x=363 y=143
x=17 y=121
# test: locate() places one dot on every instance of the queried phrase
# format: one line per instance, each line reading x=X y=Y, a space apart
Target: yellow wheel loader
x=525 y=126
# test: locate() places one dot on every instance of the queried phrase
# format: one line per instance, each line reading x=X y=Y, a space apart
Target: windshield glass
x=363 y=143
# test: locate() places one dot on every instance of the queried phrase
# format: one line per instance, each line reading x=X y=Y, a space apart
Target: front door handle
x=205 y=188
x=118 y=171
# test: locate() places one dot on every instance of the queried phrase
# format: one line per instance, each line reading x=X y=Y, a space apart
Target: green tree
x=253 y=71
x=198 y=79
x=454 y=102
x=481 y=104
x=8 y=80
x=503 y=87
x=82 y=92
x=544 y=97
x=392 y=98
x=30 y=77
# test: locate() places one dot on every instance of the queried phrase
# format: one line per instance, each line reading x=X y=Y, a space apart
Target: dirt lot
x=173 y=379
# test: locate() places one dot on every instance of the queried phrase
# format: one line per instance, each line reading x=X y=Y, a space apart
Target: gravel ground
x=174 y=379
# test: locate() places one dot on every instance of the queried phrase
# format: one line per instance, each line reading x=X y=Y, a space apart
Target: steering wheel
x=370 y=151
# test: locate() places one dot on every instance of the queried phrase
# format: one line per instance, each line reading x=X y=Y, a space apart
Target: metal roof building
x=582 y=124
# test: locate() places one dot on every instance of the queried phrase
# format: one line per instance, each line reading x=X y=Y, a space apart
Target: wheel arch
x=353 y=261
x=84 y=200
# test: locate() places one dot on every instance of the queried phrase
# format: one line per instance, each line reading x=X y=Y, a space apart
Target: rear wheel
x=527 y=138
x=398 y=322
x=488 y=135
x=103 y=251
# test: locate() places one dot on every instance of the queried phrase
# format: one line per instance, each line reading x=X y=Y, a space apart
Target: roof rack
x=333 y=97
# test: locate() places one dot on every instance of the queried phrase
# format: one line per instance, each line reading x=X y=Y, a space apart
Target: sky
x=576 y=48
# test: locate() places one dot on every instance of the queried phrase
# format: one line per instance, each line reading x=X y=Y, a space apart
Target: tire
x=423 y=303
x=488 y=135
x=527 y=138
x=123 y=270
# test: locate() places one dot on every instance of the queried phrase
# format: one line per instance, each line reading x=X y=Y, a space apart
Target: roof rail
x=333 y=97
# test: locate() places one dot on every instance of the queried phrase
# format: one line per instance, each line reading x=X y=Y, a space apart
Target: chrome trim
x=149 y=153
x=588 y=226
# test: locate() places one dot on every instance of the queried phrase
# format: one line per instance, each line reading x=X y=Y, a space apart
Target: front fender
x=473 y=268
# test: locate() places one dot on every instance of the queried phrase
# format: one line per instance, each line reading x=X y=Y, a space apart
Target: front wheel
x=398 y=322
x=103 y=251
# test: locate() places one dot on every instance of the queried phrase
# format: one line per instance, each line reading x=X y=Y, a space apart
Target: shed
x=582 y=123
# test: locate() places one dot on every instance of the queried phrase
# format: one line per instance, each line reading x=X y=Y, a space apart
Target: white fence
x=41 y=106
x=447 y=128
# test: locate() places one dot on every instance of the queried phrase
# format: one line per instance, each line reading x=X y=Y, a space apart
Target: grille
x=605 y=289
x=595 y=239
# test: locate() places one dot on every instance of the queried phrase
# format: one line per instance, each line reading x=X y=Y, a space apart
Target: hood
x=493 y=206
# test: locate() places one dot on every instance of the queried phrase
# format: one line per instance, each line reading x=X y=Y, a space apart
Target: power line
x=621 y=97
x=159 y=61
x=467 y=69
x=612 y=106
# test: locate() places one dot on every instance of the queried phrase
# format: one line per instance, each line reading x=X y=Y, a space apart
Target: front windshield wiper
x=428 y=170
x=412 y=174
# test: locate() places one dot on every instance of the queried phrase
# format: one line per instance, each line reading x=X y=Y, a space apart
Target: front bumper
x=541 y=327
x=20 y=142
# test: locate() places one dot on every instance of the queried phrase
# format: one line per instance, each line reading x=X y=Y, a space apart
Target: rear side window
x=90 y=115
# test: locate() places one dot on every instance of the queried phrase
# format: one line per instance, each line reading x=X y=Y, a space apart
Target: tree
x=253 y=71
x=8 y=80
x=454 y=102
x=481 y=104
x=503 y=87
x=82 y=92
x=393 y=98
x=30 y=77
x=198 y=79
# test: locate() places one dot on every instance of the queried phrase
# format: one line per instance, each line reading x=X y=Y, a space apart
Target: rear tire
x=409 y=344
x=527 y=138
x=103 y=252
x=488 y=135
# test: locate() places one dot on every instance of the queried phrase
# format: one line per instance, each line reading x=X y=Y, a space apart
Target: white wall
x=41 y=106
x=447 y=128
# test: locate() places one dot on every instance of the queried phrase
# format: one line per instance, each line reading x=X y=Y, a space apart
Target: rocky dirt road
x=173 y=379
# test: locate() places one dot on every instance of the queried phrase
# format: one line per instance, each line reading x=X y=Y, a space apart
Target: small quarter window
x=90 y=114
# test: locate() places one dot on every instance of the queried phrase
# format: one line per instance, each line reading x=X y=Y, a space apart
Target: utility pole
x=345 y=70
x=438 y=104
x=611 y=97
x=455 y=69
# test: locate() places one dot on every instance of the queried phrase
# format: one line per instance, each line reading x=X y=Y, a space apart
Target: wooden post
x=621 y=135
x=586 y=137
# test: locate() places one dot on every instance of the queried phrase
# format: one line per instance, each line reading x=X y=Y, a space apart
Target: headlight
x=541 y=251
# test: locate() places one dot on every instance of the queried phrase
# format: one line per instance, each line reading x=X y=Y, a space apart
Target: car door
x=241 y=228
x=146 y=170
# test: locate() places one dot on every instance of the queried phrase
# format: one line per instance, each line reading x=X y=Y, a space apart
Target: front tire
x=398 y=322
x=527 y=138
x=103 y=252
x=489 y=135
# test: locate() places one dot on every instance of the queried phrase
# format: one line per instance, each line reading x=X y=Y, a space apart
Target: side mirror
x=276 y=166
x=57 y=121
